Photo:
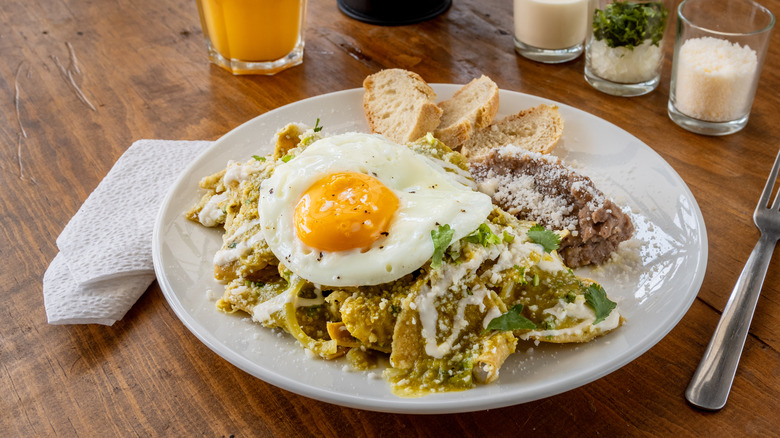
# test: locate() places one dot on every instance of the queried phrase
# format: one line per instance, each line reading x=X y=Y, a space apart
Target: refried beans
x=541 y=188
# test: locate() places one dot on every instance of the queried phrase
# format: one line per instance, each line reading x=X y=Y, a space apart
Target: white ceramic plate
x=653 y=294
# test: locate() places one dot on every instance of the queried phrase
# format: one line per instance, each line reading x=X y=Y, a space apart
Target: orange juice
x=252 y=30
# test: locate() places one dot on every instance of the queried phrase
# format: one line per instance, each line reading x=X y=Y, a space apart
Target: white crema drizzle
x=211 y=213
x=243 y=245
x=262 y=312
x=578 y=310
x=237 y=172
x=506 y=255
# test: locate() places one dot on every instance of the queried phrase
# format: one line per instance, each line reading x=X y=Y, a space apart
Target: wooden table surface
x=80 y=80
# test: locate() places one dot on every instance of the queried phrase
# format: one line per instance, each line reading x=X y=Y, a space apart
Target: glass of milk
x=624 y=46
x=718 y=53
x=550 y=31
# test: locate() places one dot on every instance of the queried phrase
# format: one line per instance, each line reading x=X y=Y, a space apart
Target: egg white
x=428 y=197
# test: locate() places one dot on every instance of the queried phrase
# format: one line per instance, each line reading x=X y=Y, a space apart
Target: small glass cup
x=718 y=55
x=624 y=46
x=253 y=36
x=550 y=31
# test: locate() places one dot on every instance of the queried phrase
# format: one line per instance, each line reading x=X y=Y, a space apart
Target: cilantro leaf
x=512 y=320
x=548 y=239
x=441 y=240
x=597 y=299
x=628 y=24
x=483 y=236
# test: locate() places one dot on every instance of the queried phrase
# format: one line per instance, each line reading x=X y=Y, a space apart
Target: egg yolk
x=344 y=211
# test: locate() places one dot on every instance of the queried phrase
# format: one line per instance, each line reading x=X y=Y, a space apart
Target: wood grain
x=80 y=80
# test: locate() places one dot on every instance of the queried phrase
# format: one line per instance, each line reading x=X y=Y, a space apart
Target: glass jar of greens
x=624 y=46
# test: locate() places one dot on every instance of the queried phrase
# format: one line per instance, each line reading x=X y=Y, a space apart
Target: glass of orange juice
x=253 y=36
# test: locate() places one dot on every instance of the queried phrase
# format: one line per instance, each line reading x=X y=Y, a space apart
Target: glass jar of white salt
x=624 y=46
x=718 y=54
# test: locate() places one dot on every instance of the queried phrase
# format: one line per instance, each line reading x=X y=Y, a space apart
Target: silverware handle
x=711 y=383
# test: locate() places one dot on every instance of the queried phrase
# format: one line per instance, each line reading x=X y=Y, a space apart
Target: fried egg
x=357 y=209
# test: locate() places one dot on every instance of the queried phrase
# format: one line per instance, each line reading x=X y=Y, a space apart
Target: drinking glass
x=624 y=46
x=253 y=36
x=550 y=31
x=718 y=54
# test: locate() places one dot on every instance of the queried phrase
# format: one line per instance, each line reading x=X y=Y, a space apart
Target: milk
x=551 y=24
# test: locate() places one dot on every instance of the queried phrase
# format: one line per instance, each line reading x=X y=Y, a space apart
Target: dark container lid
x=393 y=12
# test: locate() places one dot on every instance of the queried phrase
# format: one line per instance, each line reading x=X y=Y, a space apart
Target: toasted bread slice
x=471 y=108
x=536 y=129
x=400 y=105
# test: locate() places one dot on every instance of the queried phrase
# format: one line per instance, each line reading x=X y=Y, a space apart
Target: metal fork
x=711 y=383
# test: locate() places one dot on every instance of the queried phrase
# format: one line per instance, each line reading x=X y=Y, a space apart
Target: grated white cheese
x=714 y=79
x=530 y=193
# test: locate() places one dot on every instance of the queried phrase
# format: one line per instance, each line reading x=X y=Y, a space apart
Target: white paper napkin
x=105 y=260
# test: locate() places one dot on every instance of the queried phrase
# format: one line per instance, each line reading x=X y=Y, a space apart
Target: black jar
x=393 y=12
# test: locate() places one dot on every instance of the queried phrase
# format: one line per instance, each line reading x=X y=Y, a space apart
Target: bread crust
x=400 y=105
x=470 y=109
x=536 y=129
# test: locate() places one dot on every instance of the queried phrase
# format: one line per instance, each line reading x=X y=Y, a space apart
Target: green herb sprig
x=483 y=236
x=628 y=24
x=596 y=298
x=441 y=240
x=548 y=239
x=512 y=320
